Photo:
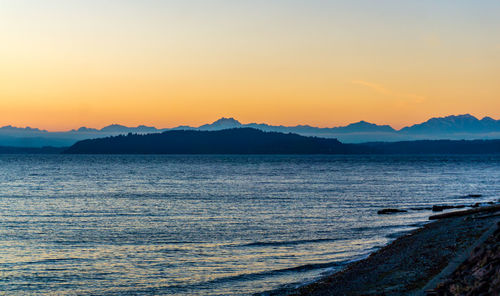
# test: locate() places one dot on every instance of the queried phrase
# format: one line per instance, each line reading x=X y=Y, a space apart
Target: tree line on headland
x=253 y=141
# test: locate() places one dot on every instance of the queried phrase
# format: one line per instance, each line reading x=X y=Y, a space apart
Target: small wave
x=52 y=260
x=287 y=243
x=229 y=279
x=421 y=208
x=378 y=227
x=263 y=274
x=419 y=224
x=472 y=196
x=309 y=267
x=287 y=289
x=398 y=234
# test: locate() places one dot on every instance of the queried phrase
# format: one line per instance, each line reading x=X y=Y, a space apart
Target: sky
x=71 y=63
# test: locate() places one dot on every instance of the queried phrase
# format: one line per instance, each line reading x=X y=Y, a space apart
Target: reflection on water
x=211 y=225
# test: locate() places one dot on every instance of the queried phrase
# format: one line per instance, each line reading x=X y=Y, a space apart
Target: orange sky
x=66 y=64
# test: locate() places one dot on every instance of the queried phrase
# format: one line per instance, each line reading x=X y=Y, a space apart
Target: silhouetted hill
x=253 y=141
x=229 y=141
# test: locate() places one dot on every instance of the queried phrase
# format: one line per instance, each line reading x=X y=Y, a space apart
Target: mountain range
x=455 y=127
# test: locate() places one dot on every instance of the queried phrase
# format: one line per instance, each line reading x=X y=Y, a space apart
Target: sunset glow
x=66 y=64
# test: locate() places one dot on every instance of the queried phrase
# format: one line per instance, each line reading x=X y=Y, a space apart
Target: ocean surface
x=212 y=225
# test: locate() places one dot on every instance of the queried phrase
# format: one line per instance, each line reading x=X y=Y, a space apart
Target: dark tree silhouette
x=230 y=141
x=253 y=141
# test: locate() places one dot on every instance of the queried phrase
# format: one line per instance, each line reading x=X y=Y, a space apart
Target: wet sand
x=413 y=264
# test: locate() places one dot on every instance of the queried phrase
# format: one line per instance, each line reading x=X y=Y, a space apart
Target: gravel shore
x=478 y=275
x=410 y=263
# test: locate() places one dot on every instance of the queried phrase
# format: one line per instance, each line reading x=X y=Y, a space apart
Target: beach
x=450 y=256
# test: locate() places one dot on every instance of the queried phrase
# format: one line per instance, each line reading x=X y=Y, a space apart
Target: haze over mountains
x=453 y=127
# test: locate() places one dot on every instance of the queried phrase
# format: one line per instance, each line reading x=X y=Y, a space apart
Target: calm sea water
x=211 y=225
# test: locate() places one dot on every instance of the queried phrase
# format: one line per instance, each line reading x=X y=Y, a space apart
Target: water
x=211 y=225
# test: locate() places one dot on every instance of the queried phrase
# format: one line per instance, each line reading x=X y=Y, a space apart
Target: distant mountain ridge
x=362 y=126
x=455 y=124
x=454 y=127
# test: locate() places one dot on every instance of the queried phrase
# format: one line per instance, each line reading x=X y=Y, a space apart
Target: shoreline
x=413 y=264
